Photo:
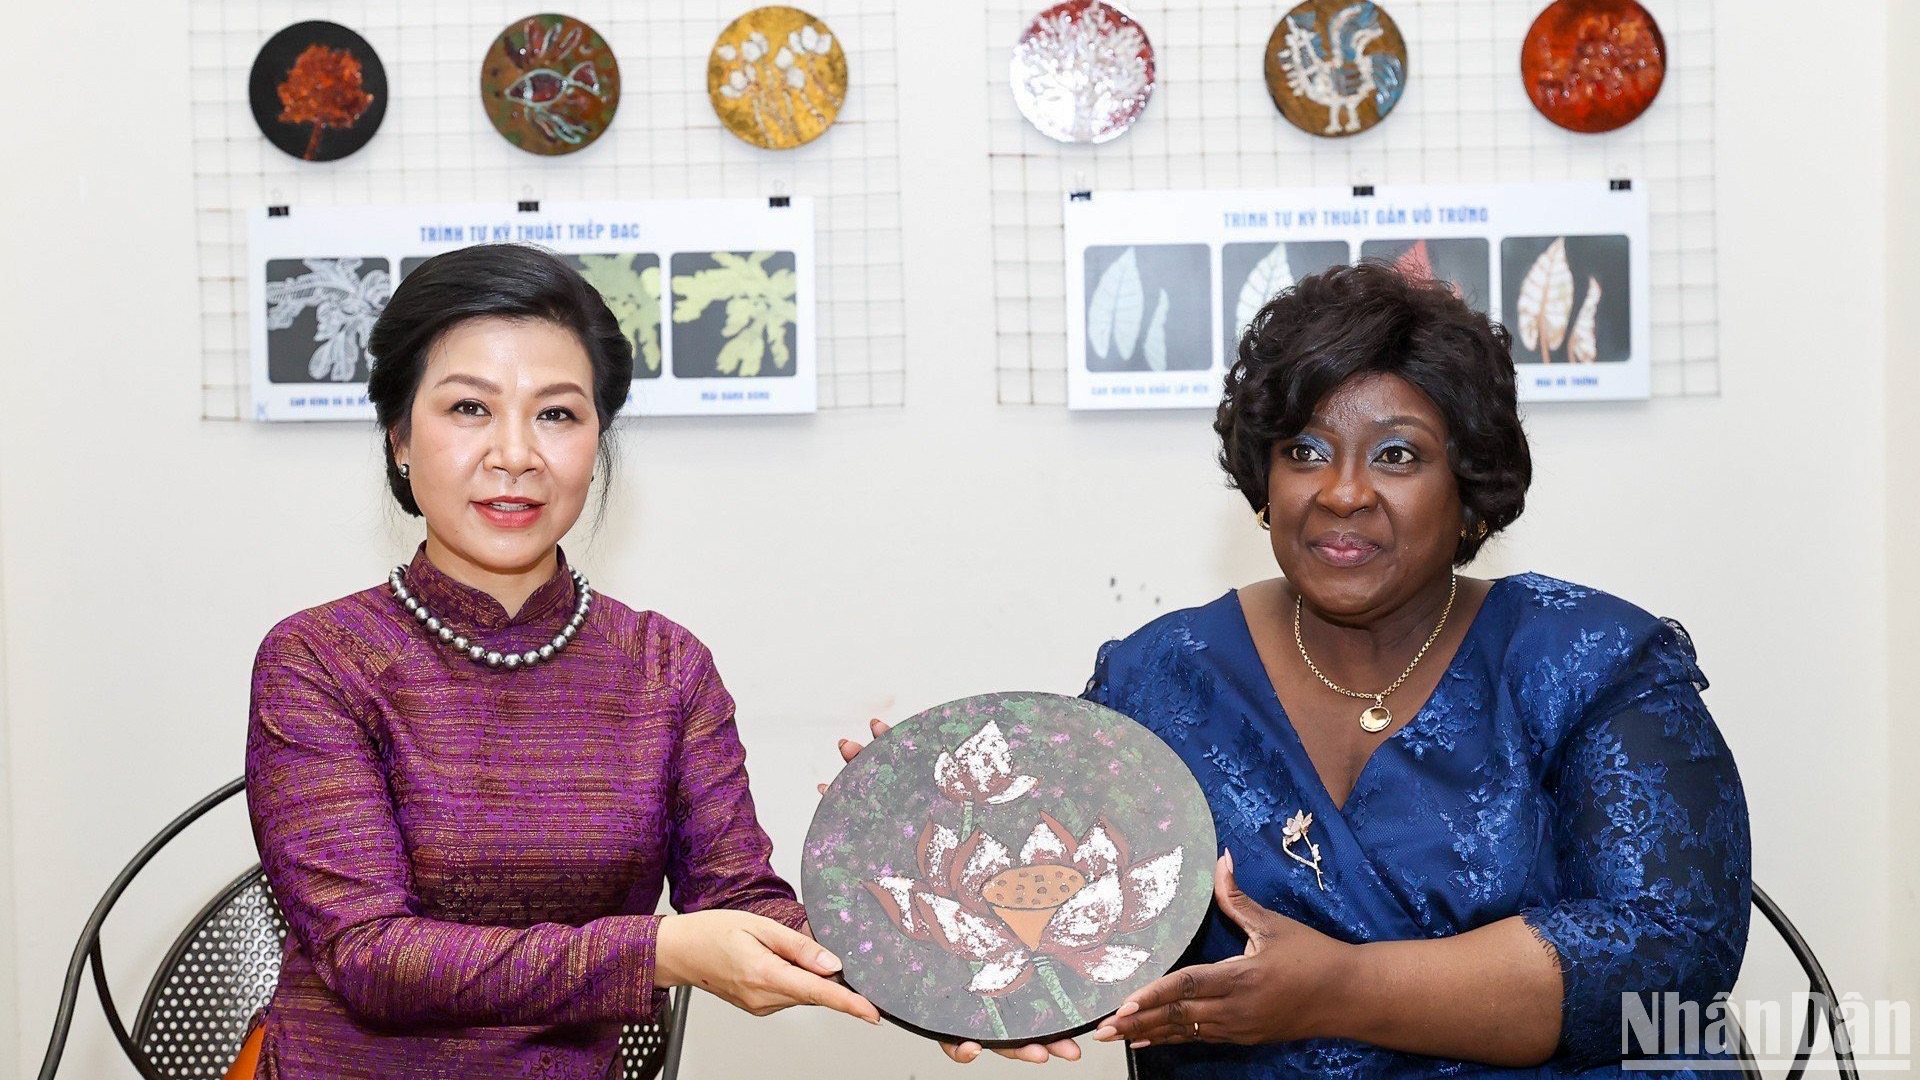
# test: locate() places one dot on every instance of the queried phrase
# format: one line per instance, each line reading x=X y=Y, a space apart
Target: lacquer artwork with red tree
x=323 y=89
x=1059 y=903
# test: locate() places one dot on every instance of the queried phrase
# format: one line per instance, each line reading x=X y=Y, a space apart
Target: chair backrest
x=219 y=973
x=222 y=970
x=1821 y=1003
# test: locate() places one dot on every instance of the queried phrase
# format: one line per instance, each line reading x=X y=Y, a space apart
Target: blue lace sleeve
x=1100 y=685
x=1652 y=843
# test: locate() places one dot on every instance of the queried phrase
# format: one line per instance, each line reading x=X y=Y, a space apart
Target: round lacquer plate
x=1593 y=65
x=777 y=77
x=1083 y=71
x=1009 y=867
x=1336 y=68
x=318 y=91
x=550 y=84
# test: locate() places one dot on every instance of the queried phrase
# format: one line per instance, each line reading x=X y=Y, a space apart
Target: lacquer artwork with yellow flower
x=777 y=77
x=1051 y=857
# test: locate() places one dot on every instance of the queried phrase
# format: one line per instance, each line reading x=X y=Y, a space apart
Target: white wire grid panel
x=437 y=145
x=1465 y=118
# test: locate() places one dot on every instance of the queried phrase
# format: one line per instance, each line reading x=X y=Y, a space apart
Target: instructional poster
x=715 y=295
x=1160 y=284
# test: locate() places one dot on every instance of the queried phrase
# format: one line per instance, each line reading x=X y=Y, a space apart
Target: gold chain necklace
x=1374 y=718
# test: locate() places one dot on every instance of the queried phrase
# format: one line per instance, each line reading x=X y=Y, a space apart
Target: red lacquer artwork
x=1593 y=65
x=324 y=90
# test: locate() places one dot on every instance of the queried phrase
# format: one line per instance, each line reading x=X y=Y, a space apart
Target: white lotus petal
x=1151 y=886
x=1089 y=916
x=997 y=975
x=985 y=756
x=738 y=80
x=727 y=52
x=822 y=43
x=783 y=59
x=901 y=889
x=1097 y=855
x=1020 y=786
x=796 y=78
x=940 y=844
x=728 y=91
x=975 y=937
x=946 y=773
x=1042 y=843
x=988 y=859
x=1115 y=962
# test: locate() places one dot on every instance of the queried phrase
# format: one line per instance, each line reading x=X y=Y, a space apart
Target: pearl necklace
x=479 y=654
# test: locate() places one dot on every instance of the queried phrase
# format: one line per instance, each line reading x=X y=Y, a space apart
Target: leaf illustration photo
x=1415 y=264
x=1546 y=300
x=345 y=305
x=634 y=298
x=1270 y=277
x=1583 y=346
x=1113 y=314
x=1155 y=345
x=758 y=304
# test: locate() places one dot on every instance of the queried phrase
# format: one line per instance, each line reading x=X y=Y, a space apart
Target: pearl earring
x=403 y=471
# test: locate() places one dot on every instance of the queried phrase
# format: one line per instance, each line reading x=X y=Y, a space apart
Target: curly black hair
x=1371 y=319
x=511 y=281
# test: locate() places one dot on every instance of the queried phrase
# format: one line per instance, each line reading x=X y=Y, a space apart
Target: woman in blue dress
x=1470 y=827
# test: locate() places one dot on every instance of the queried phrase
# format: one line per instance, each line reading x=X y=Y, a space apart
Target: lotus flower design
x=981 y=770
x=1058 y=900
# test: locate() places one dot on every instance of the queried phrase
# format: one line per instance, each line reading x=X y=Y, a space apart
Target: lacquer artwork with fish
x=1009 y=867
x=550 y=84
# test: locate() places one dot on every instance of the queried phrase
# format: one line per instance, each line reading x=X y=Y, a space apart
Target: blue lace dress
x=1564 y=770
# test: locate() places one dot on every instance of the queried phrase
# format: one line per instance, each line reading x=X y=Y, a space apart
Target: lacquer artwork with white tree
x=1083 y=71
x=755 y=293
x=1059 y=903
x=345 y=303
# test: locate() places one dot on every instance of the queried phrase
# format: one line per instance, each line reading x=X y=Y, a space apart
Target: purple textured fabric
x=469 y=858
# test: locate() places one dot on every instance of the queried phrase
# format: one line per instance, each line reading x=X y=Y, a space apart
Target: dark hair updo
x=507 y=281
x=1371 y=319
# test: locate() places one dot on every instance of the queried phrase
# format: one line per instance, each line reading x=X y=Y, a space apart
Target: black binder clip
x=1363 y=191
x=278 y=211
x=1080 y=196
x=1620 y=185
x=779 y=202
x=529 y=206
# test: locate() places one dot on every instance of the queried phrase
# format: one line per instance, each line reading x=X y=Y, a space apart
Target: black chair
x=1820 y=1003
x=222 y=969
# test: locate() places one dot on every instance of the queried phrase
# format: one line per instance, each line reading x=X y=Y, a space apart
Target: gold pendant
x=1374 y=719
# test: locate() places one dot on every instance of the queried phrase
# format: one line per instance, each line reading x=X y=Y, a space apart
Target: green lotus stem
x=993 y=1014
x=1043 y=966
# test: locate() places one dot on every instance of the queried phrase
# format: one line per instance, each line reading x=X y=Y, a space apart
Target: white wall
x=858 y=564
x=1903 y=502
